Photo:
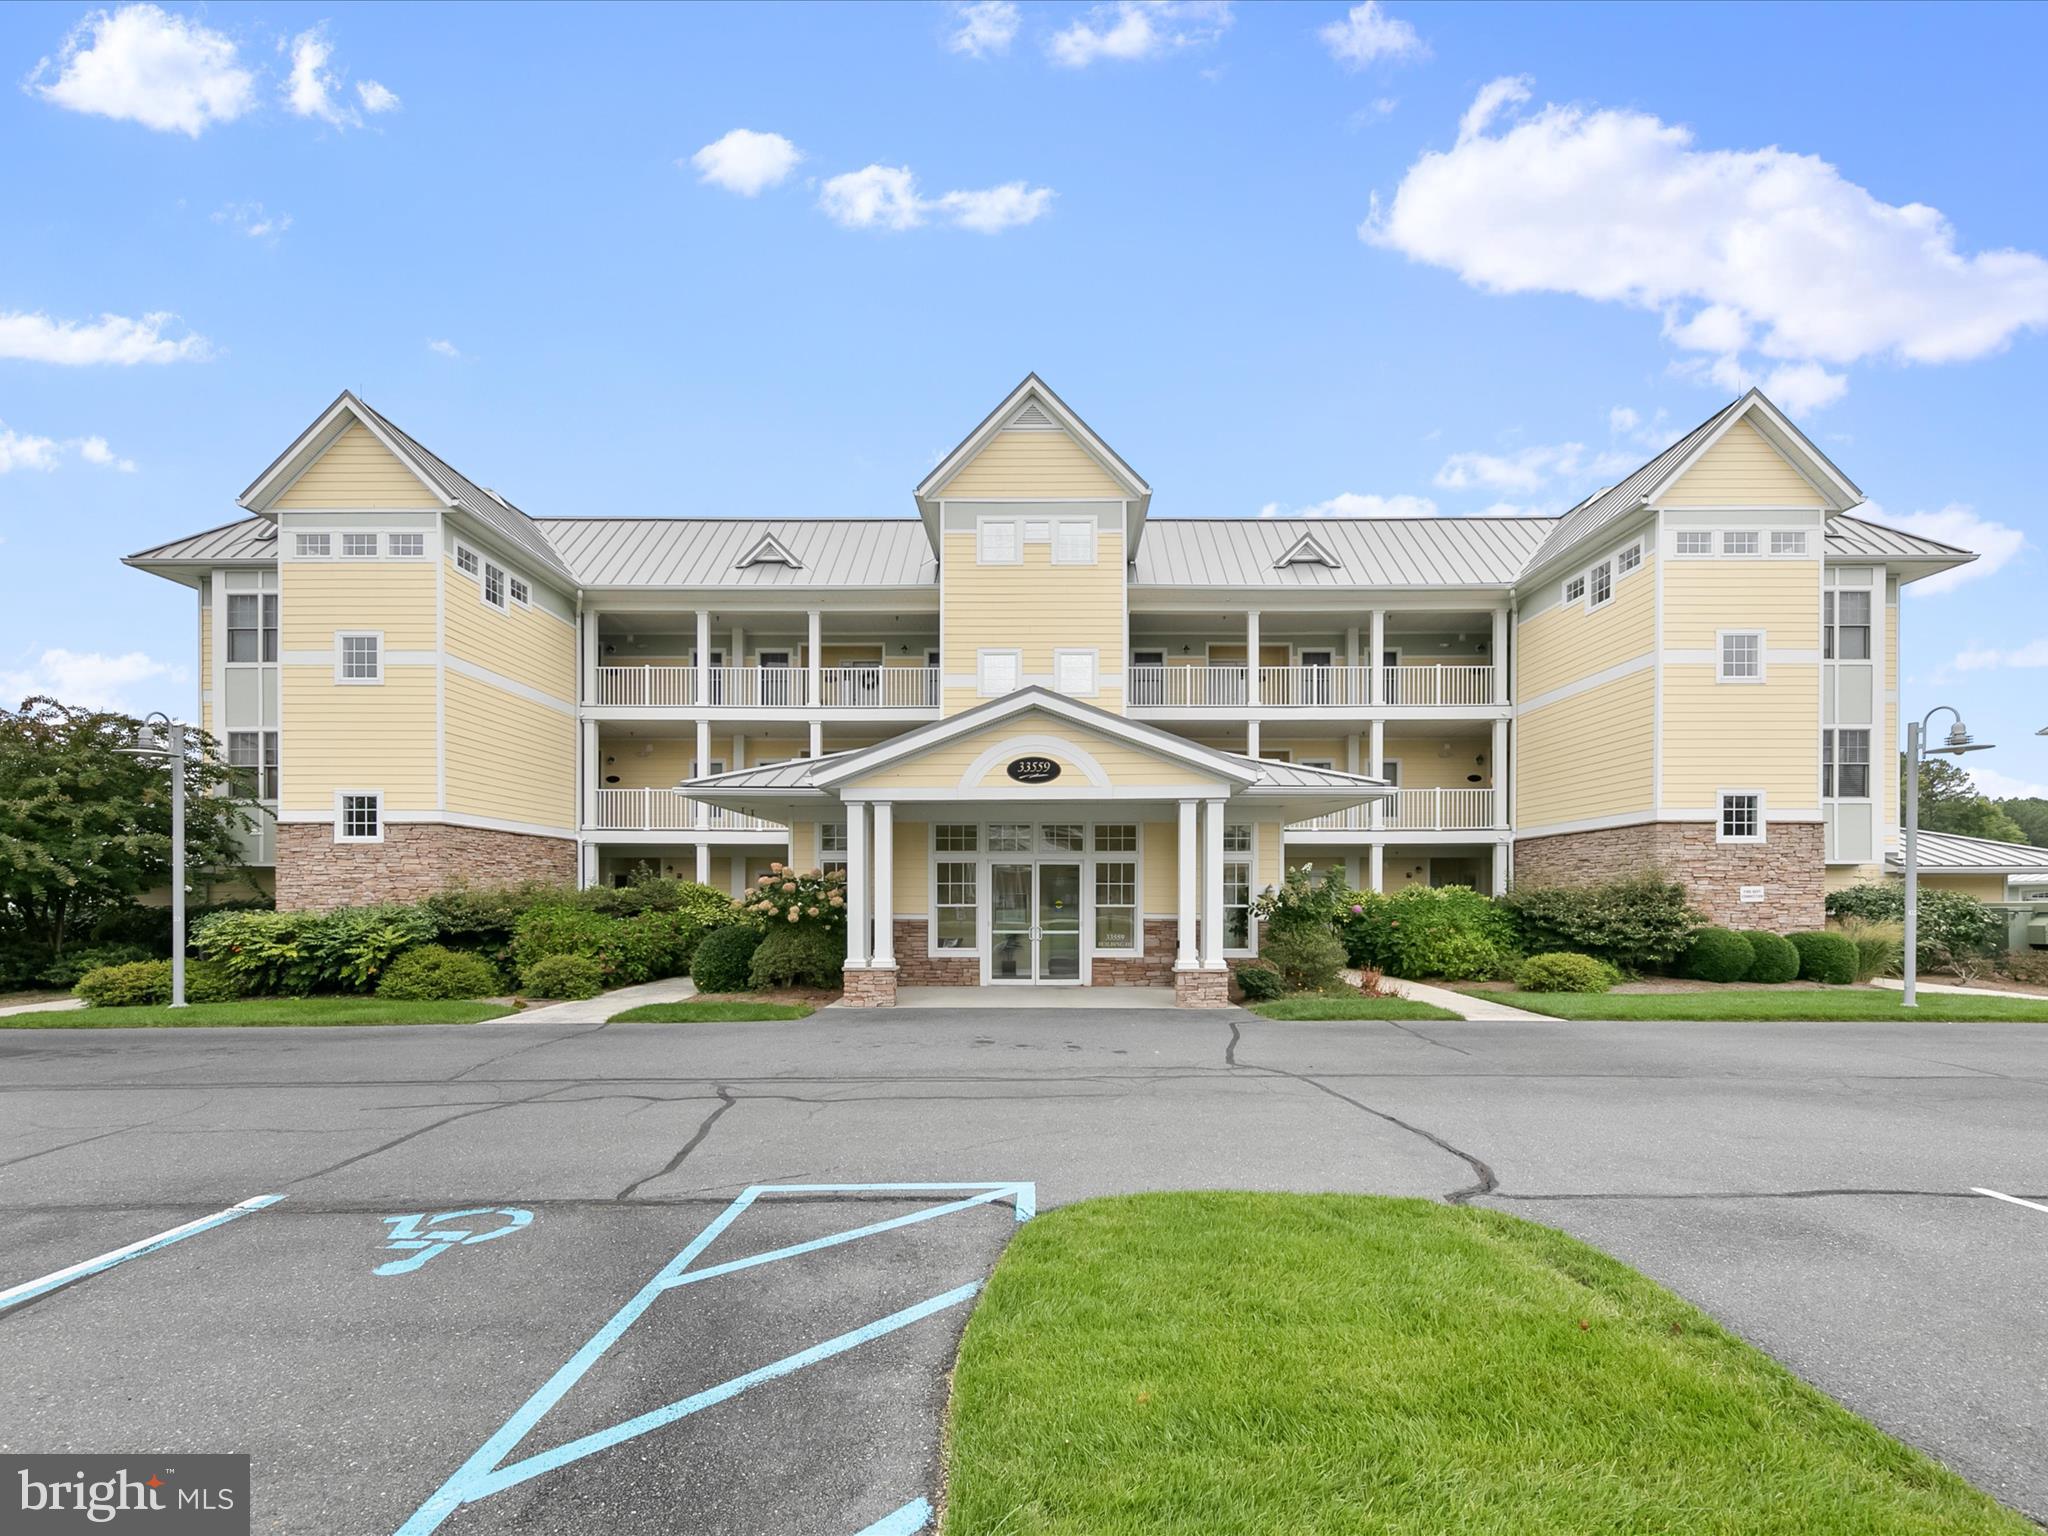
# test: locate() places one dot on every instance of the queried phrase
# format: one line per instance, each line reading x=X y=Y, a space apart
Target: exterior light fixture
x=159 y=737
x=1956 y=744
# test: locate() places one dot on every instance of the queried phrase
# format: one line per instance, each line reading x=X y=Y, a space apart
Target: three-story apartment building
x=1051 y=738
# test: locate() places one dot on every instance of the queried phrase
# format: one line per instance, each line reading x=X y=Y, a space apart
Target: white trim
x=1587 y=683
x=299 y=539
x=981 y=528
x=1094 y=540
x=341 y=818
x=981 y=657
x=1595 y=604
x=509 y=685
x=441 y=677
x=1032 y=387
x=376 y=543
x=1721 y=799
x=1042 y=745
x=1094 y=656
x=341 y=639
x=312 y=443
x=1721 y=672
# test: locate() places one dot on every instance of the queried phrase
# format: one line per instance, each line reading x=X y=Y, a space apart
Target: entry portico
x=1038 y=840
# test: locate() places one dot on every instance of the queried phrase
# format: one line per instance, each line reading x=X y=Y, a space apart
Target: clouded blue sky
x=717 y=260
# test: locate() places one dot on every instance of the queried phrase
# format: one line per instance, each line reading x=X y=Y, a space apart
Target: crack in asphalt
x=399 y=1141
x=725 y=1102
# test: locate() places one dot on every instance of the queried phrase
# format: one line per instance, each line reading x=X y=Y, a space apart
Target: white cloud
x=94 y=450
x=141 y=64
x=1367 y=33
x=36 y=338
x=746 y=162
x=22 y=450
x=1736 y=250
x=985 y=27
x=440 y=346
x=1353 y=504
x=88 y=679
x=2033 y=654
x=1623 y=420
x=1129 y=30
x=886 y=197
x=2002 y=786
x=1956 y=524
x=376 y=97
x=312 y=90
x=254 y=220
x=1529 y=469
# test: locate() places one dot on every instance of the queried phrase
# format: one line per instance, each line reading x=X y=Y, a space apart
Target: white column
x=593 y=772
x=1499 y=655
x=1185 y=958
x=1379 y=653
x=1500 y=869
x=1378 y=765
x=817 y=737
x=739 y=752
x=703 y=657
x=1251 y=658
x=856 y=884
x=703 y=863
x=1212 y=886
x=1379 y=868
x=885 y=887
x=1351 y=754
x=737 y=657
x=814 y=665
x=703 y=811
x=1251 y=738
x=592 y=658
x=1496 y=772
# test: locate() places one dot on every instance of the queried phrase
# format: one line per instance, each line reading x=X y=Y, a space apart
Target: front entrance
x=1035 y=923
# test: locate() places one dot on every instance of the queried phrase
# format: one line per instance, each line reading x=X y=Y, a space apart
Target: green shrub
x=1634 y=925
x=1825 y=957
x=1302 y=901
x=435 y=973
x=149 y=927
x=68 y=967
x=569 y=978
x=1449 y=931
x=625 y=949
x=1308 y=958
x=21 y=960
x=786 y=897
x=483 y=917
x=349 y=947
x=146 y=983
x=1466 y=957
x=1880 y=945
x=724 y=959
x=264 y=952
x=1953 y=924
x=1562 y=972
x=1883 y=902
x=1719 y=954
x=1367 y=935
x=802 y=955
x=1774 y=959
x=1258 y=980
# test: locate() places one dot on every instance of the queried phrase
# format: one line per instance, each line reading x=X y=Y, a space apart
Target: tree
x=84 y=827
x=2031 y=815
x=1950 y=802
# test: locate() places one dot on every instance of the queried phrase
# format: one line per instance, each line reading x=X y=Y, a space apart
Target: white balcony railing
x=857 y=687
x=664 y=810
x=1416 y=810
x=1229 y=687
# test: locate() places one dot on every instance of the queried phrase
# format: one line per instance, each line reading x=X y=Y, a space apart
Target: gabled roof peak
x=1308 y=550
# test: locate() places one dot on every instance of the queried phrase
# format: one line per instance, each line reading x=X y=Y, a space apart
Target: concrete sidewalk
x=596 y=1010
x=59 y=1006
x=1466 y=1005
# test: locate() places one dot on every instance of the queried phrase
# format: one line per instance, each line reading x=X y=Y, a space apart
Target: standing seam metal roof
x=252 y=538
x=1857 y=536
x=705 y=552
x=1374 y=551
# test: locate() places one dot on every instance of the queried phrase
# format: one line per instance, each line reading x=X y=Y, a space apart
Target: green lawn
x=711 y=1013
x=270 y=1011
x=1349 y=1008
x=1246 y=1365
x=1753 y=1004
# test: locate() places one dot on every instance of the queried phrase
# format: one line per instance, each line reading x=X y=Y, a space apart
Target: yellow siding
x=1036 y=608
x=208 y=703
x=1780 y=597
x=913 y=872
x=1028 y=464
x=1742 y=736
x=524 y=644
x=357 y=471
x=1884 y=761
x=803 y=844
x=1983 y=887
x=1159 y=879
x=672 y=759
x=356 y=737
x=388 y=595
x=508 y=757
x=1742 y=470
x=944 y=766
x=1586 y=756
x=1564 y=643
x=1840 y=877
x=1424 y=765
x=1268 y=841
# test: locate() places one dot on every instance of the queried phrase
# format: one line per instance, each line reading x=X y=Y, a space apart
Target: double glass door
x=1035 y=922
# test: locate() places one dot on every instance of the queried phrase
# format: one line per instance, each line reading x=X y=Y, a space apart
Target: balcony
x=1434 y=685
x=664 y=810
x=1417 y=810
x=907 y=690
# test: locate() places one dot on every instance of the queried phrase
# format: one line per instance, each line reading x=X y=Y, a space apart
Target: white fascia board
x=1034 y=386
x=309 y=445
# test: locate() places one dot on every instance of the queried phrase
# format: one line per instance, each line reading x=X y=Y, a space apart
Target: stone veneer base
x=869 y=989
x=1790 y=867
x=1201 y=989
x=416 y=859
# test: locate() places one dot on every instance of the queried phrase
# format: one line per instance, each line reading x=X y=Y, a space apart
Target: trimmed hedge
x=1825 y=957
x=1565 y=973
x=1776 y=960
x=147 y=983
x=433 y=973
x=1258 y=980
x=1719 y=954
x=1634 y=925
x=625 y=950
x=798 y=956
x=725 y=958
x=70 y=967
x=1308 y=959
x=565 y=978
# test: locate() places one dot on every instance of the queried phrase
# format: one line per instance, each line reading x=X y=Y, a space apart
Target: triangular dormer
x=1308 y=550
x=768 y=550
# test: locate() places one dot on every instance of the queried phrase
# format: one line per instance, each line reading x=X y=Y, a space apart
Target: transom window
x=1237 y=839
x=359 y=658
x=1116 y=904
x=1073 y=542
x=1602 y=590
x=955 y=901
x=1574 y=588
x=1845 y=626
x=252 y=626
x=1010 y=837
x=1116 y=837
x=465 y=560
x=1695 y=541
x=1845 y=764
x=1063 y=837
x=956 y=839
x=832 y=847
x=1742 y=656
x=521 y=593
x=494 y=585
x=1742 y=816
x=359 y=546
x=1628 y=558
x=313 y=546
x=1792 y=542
x=360 y=817
x=408 y=546
x=998 y=542
x=1739 y=542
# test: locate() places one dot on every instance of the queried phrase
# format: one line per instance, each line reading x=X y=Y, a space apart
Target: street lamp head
x=1959 y=741
x=152 y=737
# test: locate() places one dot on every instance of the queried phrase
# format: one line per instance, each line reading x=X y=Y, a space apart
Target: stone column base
x=870 y=988
x=1201 y=989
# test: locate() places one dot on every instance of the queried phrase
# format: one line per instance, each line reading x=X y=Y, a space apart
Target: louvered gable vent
x=1307 y=550
x=1031 y=417
x=769 y=551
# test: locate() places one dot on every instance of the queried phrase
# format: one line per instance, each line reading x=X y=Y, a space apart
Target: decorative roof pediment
x=1308 y=550
x=769 y=550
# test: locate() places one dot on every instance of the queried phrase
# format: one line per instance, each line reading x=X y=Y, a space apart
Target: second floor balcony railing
x=664 y=810
x=1434 y=684
x=1417 y=810
x=873 y=686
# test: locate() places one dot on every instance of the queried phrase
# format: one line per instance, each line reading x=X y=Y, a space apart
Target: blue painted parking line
x=488 y=1470
x=28 y=1290
x=907 y=1521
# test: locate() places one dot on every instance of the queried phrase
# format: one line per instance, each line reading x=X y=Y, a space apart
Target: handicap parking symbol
x=424 y=1236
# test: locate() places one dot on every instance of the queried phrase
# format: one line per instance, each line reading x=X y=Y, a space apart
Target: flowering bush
x=1300 y=901
x=785 y=897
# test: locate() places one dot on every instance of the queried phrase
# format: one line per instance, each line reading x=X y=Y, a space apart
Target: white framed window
x=1010 y=837
x=313 y=546
x=1740 y=541
x=956 y=837
x=955 y=904
x=1063 y=837
x=1116 y=837
x=1037 y=530
x=1741 y=816
x=1116 y=905
x=1741 y=656
x=1845 y=763
x=521 y=593
x=1695 y=542
x=1628 y=557
x=997 y=542
x=408 y=546
x=494 y=585
x=832 y=847
x=1074 y=672
x=1574 y=588
x=1845 y=625
x=1073 y=541
x=998 y=672
x=253 y=757
x=359 y=816
x=466 y=560
x=359 y=546
x=1788 y=541
x=252 y=626
x=1600 y=585
x=359 y=656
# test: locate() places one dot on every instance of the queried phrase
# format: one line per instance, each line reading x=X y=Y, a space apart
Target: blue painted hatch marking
x=907 y=1521
x=425 y=1236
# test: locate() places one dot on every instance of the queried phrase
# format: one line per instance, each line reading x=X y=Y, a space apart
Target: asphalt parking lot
x=640 y=1277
